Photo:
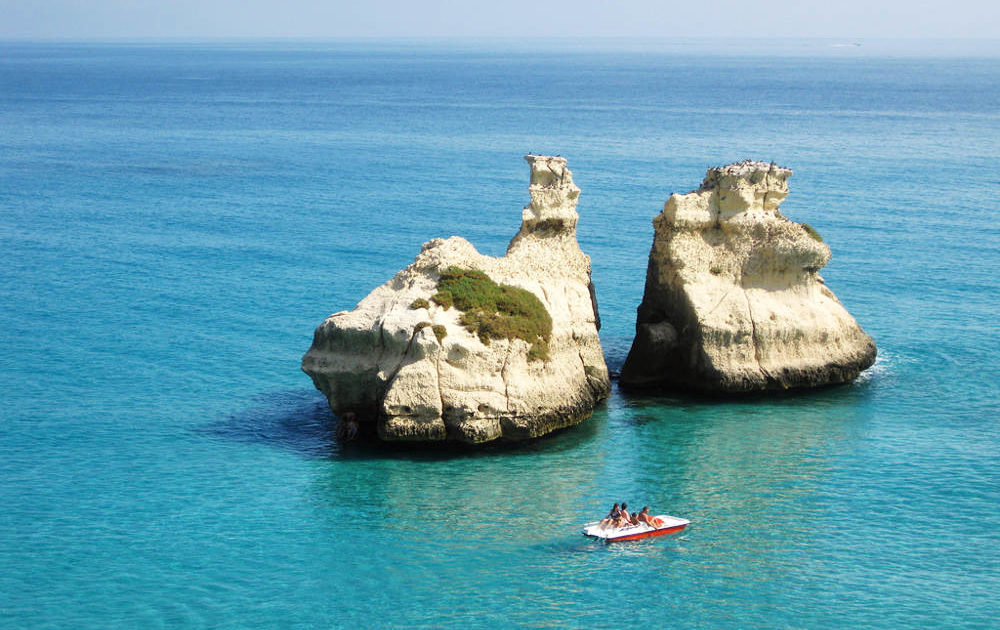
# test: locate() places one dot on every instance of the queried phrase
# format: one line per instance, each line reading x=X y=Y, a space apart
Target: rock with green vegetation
x=734 y=301
x=472 y=348
x=496 y=311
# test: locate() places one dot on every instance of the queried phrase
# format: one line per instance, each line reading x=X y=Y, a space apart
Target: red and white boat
x=667 y=525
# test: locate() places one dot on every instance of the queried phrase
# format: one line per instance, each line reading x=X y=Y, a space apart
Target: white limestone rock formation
x=734 y=301
x=409 y=365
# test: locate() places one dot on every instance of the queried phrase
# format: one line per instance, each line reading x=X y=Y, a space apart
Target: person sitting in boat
x=644 y=518
x=624 y=518
x=611 y=517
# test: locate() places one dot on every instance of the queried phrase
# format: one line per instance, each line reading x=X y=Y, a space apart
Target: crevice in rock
x=381 y=345
x=381 y=337
x=721 y=300
x=402 y=357
x=437 y=368
x=548 y=302
x=753 y=338
x=503 y=374
x=716 y=211
x=593 y=303
x=586 y=377
x=384 y=347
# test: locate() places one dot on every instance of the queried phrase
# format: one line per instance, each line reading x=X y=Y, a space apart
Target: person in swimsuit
x=624 y=518
x=635 y=519
x=644 y=517
x=612 y=516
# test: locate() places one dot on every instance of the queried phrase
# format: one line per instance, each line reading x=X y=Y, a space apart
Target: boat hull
x=669 y=525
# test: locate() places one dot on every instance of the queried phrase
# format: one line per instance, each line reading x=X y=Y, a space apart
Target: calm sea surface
x=176 y=219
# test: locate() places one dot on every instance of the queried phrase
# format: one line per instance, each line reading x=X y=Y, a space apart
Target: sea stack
x=471 y=348
x=734 y=301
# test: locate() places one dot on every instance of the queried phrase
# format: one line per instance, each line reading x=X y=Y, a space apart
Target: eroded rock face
x=406 y=363
x=734 y=301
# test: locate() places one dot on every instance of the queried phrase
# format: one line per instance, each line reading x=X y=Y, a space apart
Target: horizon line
x=479 y=38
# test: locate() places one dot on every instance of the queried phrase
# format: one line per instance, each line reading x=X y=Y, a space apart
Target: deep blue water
x=176 y=219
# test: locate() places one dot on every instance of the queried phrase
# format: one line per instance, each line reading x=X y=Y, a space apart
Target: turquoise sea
x=175 y=219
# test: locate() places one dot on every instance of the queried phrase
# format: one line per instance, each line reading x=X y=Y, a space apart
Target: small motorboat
x=667 y=525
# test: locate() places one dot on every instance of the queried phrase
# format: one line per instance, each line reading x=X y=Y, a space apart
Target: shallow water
x=176 y=219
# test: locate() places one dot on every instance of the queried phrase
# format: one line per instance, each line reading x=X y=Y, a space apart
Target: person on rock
x=347 y=427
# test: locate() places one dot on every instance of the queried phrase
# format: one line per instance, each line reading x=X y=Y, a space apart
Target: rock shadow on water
x=299 y=421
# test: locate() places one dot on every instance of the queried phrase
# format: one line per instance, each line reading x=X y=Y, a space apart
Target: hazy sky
x=89 y=19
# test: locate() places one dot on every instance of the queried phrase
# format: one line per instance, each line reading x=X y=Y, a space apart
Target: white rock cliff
x=410 y=366
x=734 y=301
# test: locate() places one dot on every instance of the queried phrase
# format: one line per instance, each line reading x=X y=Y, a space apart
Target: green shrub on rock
x=496 y=311
x=440 y=332
x=811 y=231
x=443 y=299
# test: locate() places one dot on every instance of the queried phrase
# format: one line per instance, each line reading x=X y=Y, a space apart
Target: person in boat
x=624 y=518
x=611 y=517
x=645 y=518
